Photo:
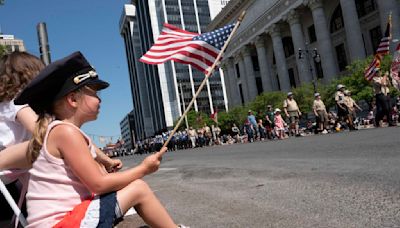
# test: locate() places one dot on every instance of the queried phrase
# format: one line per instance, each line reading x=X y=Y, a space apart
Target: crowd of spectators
x=275 y=124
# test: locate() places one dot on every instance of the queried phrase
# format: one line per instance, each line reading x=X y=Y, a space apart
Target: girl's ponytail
x=37 y=140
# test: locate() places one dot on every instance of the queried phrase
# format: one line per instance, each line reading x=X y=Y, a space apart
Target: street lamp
x=311 y=55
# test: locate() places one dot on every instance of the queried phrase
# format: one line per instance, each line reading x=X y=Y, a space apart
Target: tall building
x=264 y=52
x=127 y=131
x=157 y=90
x=11 y=43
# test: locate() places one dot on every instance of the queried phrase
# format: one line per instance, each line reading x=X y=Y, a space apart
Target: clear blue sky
x=91 y=27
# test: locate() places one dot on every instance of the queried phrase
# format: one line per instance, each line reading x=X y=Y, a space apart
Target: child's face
x=89 y=103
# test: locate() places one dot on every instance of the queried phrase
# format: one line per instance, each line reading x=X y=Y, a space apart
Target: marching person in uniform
x=292 y=111
x=381 y=90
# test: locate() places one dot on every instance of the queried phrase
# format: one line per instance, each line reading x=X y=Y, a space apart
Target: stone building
x=11 y=43
x=264 y=53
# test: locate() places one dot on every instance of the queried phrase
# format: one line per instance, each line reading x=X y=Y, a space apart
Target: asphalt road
x=349 y=179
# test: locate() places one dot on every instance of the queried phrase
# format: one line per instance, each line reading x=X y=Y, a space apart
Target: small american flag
x=382 y=50
x=198 y=50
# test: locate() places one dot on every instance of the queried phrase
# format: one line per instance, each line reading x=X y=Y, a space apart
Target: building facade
x=160 y=92
x=127 y=131
x=11 y=43
x=264 y=53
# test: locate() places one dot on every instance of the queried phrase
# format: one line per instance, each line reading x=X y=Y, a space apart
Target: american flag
x=382 y=50
x=198 y=50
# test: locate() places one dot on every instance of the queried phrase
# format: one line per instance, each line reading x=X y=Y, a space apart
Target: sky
x=91 y=27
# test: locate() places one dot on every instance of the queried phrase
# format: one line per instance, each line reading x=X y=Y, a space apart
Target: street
x=348 y=179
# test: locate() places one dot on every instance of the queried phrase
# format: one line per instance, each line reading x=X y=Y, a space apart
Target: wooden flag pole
x=240 y=19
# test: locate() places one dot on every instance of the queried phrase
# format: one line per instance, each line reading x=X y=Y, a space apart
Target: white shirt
x=11 y=131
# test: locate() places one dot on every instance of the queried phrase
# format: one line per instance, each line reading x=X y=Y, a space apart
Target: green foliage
x=2 y=50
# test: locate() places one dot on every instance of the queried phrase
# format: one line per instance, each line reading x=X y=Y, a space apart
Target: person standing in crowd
x=207 y=134
x=192 y=136
x=381 y=90
x=351 y=105
x=261 y=129
x=248 y=128
x=320 y=114
x=279 y=124
x=252 y=119
x=293 y=113
x=269 y=124
x=339 y=101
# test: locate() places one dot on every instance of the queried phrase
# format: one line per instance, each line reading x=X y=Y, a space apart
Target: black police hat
x=57 y=80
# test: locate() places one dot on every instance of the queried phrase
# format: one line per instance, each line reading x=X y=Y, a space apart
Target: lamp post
x=184 y=106
x=311 y=55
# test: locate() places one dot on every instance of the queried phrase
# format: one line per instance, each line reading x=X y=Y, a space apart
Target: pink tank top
x=53 y=188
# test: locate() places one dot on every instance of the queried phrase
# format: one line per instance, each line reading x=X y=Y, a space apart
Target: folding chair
x=8 y=176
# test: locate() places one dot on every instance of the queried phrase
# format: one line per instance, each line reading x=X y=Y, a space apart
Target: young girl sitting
x=67 y=187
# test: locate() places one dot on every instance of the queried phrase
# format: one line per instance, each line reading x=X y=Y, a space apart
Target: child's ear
x=72 y=99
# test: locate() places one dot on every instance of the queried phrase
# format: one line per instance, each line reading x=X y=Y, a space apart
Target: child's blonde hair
x=17 y=69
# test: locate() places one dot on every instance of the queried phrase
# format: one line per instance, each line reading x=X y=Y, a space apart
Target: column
x=325 y=47
x=352 y=27
x=243 y=78
x=234 y=89
x=280 y=58
x=250 y=75
x=385 y=7
x=303 y=64
x=264 y=64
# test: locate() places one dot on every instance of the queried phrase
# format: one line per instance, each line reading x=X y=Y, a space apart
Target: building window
x=259 y=85
x=237 y=70
x=341 y=57
x=365 y=7
x=288 y=46
x=337 y=20
x=311 y=34
x=291 y=78
x=376 y=36
x=241 y=93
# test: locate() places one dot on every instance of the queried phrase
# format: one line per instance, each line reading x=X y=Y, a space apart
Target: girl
x=279 y=124
x=16 y=121
x=66 y=187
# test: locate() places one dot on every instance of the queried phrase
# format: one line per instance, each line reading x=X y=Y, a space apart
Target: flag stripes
x=186 y=47
x=382 y=50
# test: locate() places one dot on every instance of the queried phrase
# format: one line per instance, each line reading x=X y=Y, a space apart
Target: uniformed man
x=381 y=90
x=293 y=113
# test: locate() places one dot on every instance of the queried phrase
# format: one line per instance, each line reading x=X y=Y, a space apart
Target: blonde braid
x=37 y=140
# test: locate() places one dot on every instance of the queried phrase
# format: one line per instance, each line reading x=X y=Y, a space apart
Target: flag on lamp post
x=382 y=50
x=197 y=50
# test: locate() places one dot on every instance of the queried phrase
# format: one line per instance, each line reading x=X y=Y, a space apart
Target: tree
x=2 y=50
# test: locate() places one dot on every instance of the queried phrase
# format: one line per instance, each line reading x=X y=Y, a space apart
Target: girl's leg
x=139 y=195
x=14 y=157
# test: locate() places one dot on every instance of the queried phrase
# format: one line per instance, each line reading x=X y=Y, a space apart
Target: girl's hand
x=114 y=165
x=152 y=162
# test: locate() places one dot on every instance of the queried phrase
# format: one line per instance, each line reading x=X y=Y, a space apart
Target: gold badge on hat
x=80 y=78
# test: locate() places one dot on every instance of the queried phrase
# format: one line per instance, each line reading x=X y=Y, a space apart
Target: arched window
x=337 y=20
x=288 y=46
x=365 y=7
